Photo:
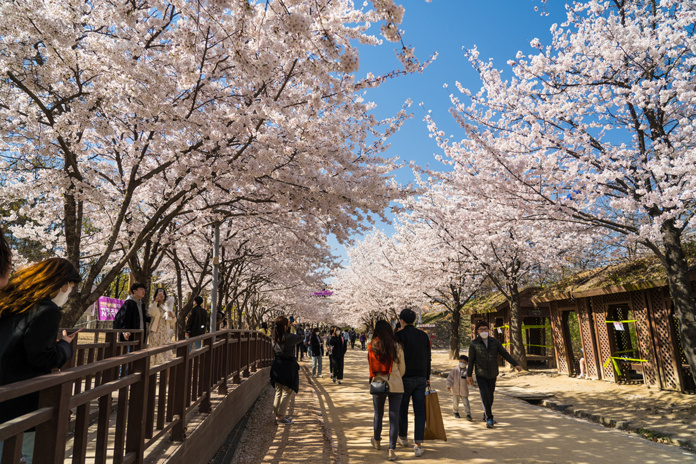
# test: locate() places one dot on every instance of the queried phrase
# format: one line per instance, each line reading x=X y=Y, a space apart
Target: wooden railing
x=148 y=401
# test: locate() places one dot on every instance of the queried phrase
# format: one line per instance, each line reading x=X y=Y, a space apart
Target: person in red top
x=385 y=357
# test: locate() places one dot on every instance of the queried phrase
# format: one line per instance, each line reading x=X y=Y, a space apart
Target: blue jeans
x=414 y=387
x=487 y=388
x=316 y=363
x=394 y=406
x=27 y=446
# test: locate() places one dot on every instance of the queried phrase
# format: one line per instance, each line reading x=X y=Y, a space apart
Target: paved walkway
x=333 y=424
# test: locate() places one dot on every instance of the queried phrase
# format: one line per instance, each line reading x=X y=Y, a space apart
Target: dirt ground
x=333 y=423
x=664 y=413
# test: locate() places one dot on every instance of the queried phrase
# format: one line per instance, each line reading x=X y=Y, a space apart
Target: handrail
x=149 y=400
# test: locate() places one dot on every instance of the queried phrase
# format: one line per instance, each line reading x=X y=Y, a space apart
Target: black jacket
x=338 y=347
x=131 y=317
x=486 y=358
x=197 y=321
x=316 y=345
x=285 y=369
x=28 y=349
x=416 y=345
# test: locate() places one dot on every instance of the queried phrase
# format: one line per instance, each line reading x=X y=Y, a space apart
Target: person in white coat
x=456 y=383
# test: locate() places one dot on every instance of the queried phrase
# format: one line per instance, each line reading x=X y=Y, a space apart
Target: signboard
x=323 y=293
x=107 y=308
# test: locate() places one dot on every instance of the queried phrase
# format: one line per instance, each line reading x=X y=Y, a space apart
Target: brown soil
x=664 y=413
x=333 y=423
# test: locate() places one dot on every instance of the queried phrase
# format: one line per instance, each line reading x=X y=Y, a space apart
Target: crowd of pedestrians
x=400 y=357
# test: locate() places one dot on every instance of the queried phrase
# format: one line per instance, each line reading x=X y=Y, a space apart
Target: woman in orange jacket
x=386 y=360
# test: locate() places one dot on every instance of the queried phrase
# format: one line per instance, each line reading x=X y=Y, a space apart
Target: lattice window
x=664 y=341
x=555 y=316
x=640 y=312
x=604 y=345
x=586 y=332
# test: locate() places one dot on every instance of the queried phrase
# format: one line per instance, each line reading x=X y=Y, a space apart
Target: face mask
x=61 y=298
x=484 y=335
x=462 y=365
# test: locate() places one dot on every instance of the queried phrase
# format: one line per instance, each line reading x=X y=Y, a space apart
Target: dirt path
x=333 y=424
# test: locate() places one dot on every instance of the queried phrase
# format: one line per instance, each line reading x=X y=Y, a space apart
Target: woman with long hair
x=29 y=343
x=338 y=353
x=385 y=357
x=285 y=371
x=161 y=324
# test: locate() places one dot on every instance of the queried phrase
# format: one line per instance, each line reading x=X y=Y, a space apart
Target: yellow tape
x=616 y=365
x=611 y=322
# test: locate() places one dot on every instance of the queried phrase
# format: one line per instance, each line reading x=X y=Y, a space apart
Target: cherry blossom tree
x=597 y=128
x=123 y=117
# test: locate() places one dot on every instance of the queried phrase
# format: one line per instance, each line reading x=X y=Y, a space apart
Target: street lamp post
x=216 y=265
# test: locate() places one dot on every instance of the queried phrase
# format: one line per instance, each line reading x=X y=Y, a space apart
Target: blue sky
x=498 y=28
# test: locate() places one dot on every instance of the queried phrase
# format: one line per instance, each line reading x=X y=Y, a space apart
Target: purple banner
x=107 y=308
x=323 y=293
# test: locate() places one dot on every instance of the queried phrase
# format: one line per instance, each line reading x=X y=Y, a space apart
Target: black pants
x=338 y=368
x=487 y=388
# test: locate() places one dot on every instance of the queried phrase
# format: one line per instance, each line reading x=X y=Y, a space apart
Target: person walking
x=363 y=340
x=353 y=337
x=483 y=354
x=162 y=318
x=316 y=348
x=385 y=357
x=416 y=378
x=285 y=371
x=457 y=384
x=30 y=346
x=338 y=353
x=329 y=348
x=131 y=315
x=197 y=320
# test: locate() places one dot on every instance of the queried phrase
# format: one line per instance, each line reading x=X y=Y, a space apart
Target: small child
x=456 y=383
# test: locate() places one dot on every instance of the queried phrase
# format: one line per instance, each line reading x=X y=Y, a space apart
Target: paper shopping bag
x=434 y=427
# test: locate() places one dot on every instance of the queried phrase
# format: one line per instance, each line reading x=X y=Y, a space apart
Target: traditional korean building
x=625 y=319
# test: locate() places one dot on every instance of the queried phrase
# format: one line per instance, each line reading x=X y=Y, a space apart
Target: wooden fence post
x=181 y=375
x=206 y=372
x=137 y=410
x=50 y=436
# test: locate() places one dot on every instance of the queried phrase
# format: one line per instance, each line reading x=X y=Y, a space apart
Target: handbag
x=378 y=387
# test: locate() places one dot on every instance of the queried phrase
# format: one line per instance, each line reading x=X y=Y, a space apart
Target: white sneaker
x=418 y=451
x=403 y=442
x=392 y=455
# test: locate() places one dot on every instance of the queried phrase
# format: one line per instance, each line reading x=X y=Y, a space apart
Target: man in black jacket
x=132 y=315
x=416 y=378
x=196 y=321
x=483 y=352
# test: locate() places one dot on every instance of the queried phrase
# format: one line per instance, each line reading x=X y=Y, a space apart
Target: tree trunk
x=680 y=291
x=517 y=349
x=454 y=331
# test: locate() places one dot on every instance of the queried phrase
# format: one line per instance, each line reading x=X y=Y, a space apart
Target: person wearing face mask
x=483 y=353
x=30 y=345
x=457 y=384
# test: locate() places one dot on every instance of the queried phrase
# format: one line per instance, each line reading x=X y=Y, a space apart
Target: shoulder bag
x=378 y=387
